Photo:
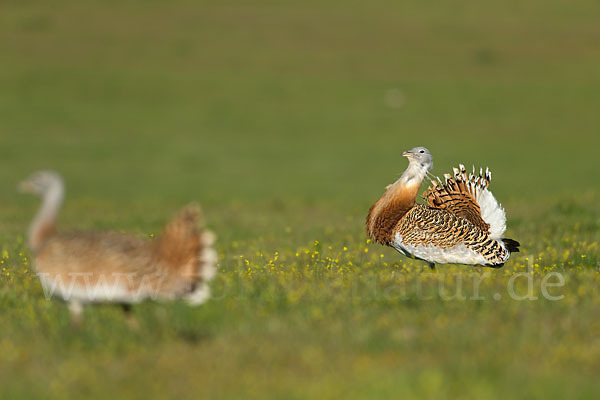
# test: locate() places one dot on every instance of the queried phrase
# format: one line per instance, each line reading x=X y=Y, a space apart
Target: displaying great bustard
x=462 y=222
x=92 y=267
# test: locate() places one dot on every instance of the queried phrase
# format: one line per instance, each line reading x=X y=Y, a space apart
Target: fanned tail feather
x=179 y=242
x=469 y=197
x=207 y=256
x=186 y=245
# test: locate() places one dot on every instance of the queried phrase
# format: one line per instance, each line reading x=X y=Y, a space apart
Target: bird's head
x=40 y=182
x=419 y=157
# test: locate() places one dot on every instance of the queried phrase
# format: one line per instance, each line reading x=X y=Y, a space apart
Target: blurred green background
x=283 y=116
x=250 y=100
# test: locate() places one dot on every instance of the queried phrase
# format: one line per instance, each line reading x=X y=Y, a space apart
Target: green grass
x=274 y=116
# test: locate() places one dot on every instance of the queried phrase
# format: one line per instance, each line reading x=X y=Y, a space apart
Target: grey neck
x=414 y=175
x=46 y=216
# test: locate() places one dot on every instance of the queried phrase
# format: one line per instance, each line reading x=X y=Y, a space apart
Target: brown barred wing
x=491 y=249
x=432 y=227
x=425 y=226
x=458 y=195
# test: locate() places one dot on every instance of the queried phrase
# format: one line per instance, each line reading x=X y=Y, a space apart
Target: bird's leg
x=431 y=265
x=76 y=310
x=130 y=319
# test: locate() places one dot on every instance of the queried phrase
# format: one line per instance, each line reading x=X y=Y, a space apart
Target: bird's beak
x=406 y=154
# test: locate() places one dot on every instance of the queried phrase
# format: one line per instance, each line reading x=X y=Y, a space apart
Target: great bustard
x=462 y=222
x=96 y=267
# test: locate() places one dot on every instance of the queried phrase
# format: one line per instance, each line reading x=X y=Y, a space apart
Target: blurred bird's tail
x=207 y=256
x=187 y=247
x=179 y=240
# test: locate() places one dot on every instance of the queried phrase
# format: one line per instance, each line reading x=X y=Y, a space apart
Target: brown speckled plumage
x=427 y=226
x=461 y=223
x=457 y=196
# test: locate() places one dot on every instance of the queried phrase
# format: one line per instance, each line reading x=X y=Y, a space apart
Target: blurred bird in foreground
x=462 y=222
x=112 y=267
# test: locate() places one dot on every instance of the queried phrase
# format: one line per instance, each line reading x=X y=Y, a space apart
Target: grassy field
x=286 y=121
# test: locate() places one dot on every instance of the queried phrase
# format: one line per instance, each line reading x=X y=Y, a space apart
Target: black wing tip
x=511 y=245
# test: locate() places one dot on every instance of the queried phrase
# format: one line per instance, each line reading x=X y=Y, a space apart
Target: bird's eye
x=422 y=151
